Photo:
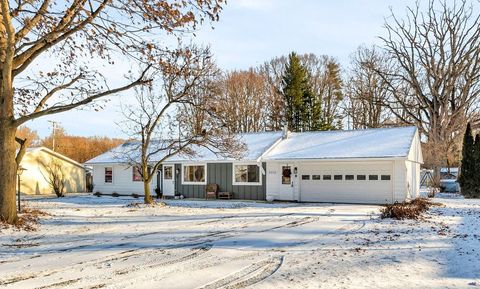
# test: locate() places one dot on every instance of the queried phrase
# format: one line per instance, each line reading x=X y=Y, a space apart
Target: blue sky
x=252 y=31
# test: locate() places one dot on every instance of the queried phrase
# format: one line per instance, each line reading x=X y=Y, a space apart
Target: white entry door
x=168 y=181
x=287 y=182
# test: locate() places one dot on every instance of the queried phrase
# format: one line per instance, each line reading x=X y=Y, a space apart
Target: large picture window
x=136 y=174
x=246 y=174
x=194 y=174
x=108 y=175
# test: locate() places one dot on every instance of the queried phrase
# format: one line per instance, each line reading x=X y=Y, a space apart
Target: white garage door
x=346 y=182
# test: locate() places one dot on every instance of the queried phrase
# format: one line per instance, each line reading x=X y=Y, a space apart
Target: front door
x=168 y=181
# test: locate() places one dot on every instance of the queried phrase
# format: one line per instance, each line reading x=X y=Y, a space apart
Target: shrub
x=98 y=194
x=407 y=210
x=115 y=194
x=136 y=196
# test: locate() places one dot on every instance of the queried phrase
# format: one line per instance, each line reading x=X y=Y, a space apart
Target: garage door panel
x=352 y=191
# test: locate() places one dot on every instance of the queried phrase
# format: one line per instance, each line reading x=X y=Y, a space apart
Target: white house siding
x=122 y=180
x=400 y=181
x=413 y=179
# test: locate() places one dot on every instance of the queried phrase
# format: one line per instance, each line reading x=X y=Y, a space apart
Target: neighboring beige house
x=34 y=177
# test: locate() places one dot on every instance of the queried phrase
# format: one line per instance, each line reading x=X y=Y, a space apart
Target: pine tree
x=297 y=93
x=467 y=172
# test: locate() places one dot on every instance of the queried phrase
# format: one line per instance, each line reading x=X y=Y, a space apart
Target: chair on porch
x=211 y=191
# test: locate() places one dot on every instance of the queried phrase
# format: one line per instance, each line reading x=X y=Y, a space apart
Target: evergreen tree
x=467 y=172
x=476 y=167
x=297 y=93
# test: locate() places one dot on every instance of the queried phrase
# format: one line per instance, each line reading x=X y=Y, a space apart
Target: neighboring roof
x=365 y=143
x=58 y=155
x=256 y=145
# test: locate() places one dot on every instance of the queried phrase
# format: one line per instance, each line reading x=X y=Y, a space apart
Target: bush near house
x=407 y=210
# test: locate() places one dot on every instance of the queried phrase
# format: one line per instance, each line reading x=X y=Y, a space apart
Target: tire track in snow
x=248 y=276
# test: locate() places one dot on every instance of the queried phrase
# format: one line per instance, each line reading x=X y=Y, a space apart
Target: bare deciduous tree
x=75 y=32
x=366 y=91
x=243 y=101
x=175 y=115
x=433 y=75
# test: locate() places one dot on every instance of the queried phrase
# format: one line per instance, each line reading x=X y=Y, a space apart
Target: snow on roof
x=127 y=152
x=256 y=145
x=366 y=143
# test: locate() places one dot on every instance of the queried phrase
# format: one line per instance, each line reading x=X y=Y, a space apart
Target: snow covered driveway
x=91 y=242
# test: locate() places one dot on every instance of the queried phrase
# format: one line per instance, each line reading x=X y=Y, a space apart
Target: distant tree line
x=78 y=148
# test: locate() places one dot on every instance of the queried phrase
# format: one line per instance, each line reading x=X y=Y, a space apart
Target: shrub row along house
x=355 y=166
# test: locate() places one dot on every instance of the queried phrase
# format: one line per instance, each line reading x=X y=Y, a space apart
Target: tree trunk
x=146 y=189
x=8 y=172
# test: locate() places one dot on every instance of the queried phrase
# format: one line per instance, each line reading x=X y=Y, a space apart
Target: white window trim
x=194 y=183
x=259 y=183
x=104 y=173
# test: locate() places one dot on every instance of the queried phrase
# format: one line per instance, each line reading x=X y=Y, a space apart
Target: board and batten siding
x=221 y=174
x=122 y=180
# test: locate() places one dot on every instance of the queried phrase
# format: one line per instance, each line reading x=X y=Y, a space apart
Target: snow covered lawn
x=91 y=242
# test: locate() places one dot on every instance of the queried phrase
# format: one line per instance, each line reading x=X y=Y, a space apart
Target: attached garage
x=359 y=166
x=355 y=182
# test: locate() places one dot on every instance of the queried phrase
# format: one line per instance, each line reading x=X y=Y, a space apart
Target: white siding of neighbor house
x=122 y=180
x=34 y=178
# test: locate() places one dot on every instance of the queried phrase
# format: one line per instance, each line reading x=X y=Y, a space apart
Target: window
x=373 y=177
x=305 y=177
x=136 y=174
x=246 y=174
x=349 y=177
x=316 y=177
x=385 y=177
x=167 y=173
x=108 y=175
x=361 y=177
x=194 y=174
x=338 y=177
x=286 y=175
x=327 y=177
